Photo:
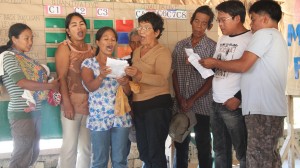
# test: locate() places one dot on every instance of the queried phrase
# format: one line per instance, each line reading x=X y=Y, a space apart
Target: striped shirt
x=13 y=74
x=189 y=79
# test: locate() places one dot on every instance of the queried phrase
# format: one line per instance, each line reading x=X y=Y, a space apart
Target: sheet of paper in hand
x=117 y=67
x=193 y=59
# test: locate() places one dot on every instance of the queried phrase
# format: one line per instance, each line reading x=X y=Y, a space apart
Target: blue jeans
x=228 y=128
x=115 y=139
x=203 y=144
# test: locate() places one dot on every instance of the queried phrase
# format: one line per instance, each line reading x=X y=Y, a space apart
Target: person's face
x=24 y=42
x=256 y=22
x=226 y=23
x=134 y=42
x=147 y=34
x=107 y=43
x=77 y=29
x=200 y=24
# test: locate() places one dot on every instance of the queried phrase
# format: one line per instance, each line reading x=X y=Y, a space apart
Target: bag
x=181 y=126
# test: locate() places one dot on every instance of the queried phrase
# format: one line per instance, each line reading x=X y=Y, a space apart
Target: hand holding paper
x=194 y=58
x=117 y=67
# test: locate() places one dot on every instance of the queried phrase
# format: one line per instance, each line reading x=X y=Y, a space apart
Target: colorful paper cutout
x=124 y=25
x=123 y=51
x=123 y=38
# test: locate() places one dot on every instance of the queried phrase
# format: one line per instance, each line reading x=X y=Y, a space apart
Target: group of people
x=243 y=104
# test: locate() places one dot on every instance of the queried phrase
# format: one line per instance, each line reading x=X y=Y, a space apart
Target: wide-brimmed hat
x=181 y=125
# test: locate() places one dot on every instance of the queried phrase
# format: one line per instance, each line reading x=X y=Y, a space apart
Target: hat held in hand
x=181 y=125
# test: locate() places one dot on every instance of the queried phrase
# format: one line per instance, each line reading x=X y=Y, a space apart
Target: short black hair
x=205 y=10
x=233 y=8
x=155 y=20
x=269 y=7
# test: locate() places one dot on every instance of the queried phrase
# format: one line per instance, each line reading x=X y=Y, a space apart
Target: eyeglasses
x=143 y=28
x=222 y=20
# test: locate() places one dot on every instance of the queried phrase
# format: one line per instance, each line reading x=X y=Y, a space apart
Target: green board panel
x=88 y=23
x=102 y=23
x=87 y=38
x=4 y=124
x=55 y=37
x=51 y=52
x=55 y=22
x=51 y=123
x=51 y=66
x=60 y=23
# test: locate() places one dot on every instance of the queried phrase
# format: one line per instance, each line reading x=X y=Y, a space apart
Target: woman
x=108 y=130
x=151 y=106
x=74 y=109
x=22 y=72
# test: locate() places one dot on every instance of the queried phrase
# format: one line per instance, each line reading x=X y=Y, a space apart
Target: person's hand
x=232 y=103
x=55 y=85
x=123 y=80
x=189 y=104
x=131 y=71
x=182 y=104
x=69 y=111
x=104 y=71
x=208 y=63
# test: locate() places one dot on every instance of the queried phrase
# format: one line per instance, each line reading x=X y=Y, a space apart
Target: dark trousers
x=203 y=144
x=152 y=128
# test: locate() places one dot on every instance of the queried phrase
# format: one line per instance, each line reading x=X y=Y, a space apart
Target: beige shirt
x=155 y=66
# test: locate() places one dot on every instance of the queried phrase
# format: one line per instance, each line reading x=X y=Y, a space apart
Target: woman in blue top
x=107 y=129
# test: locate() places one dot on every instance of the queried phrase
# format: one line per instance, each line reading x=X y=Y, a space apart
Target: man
x=264 y=66
x=227 y=121
x=192 y=92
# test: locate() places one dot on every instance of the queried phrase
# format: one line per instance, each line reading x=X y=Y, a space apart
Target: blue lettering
x=296 y=67
x=292 y=35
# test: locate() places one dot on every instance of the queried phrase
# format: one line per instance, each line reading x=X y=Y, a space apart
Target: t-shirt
x=263 y=85
x=227 y=84
x=102 y=102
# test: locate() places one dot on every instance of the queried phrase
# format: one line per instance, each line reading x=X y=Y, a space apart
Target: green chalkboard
x=51 y=124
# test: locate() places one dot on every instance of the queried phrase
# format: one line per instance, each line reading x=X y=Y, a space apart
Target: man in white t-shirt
x=264 y=66
x=226 y=118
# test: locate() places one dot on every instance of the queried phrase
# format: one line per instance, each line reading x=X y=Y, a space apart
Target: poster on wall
x=291 y=21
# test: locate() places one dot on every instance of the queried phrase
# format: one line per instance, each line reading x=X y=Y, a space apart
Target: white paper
x=117 y=67
x=194 y=58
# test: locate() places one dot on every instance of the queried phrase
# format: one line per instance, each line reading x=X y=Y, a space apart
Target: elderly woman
x=151 y=106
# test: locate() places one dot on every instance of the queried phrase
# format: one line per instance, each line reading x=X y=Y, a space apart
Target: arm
x=240 y=65
x=202 y=91
x=62 y=62
x=180 y=100
x=35 y=86
x=234 y=102
x=90 y=81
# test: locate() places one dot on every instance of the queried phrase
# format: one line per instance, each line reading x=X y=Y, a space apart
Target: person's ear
x=68 y=32
x=14 y=40
x=191 y=21
x=209 y=26
x=157 y=32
